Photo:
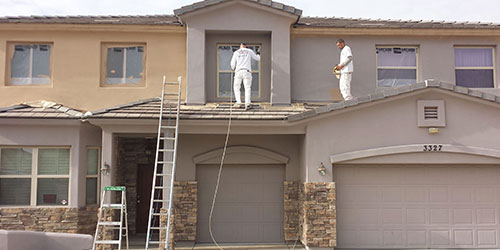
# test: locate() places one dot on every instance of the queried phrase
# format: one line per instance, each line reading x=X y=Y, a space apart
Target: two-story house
x=413 y=161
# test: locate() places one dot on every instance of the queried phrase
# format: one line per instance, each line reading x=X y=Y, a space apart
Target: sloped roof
x=46 y=110
x=150 y=109
x=202 y=4
x=137 y=20
x=338 y=22
x=394 y=92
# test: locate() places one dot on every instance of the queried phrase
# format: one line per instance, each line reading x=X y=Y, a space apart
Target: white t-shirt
x=345 y=53
x=242 y=59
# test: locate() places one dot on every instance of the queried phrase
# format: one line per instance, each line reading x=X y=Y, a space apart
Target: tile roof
x=138 y=20
x=150 y=109
x=42 y=109
x=337 y=22
x=202 y=4
x=395 y=92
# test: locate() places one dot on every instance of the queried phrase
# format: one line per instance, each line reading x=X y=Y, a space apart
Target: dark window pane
x=474 y=78
x=53 y=161
x=52 y=192
x=396 y=77
x=20 y=64
x=41 y=64
x=134 y=64
x=225 y=80
x=15 y=191
x=92 y=161
x=114 y=65
x=91 y=188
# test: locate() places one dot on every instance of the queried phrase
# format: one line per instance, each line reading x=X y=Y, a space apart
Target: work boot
x=237 y=105
x=248 y=106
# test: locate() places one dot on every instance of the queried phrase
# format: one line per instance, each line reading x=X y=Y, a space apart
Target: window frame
x=104 y=58
x=232 y=71
x=417 y=63
x=34 y=176
x=493 y=58
x=10 y=55
x=98 y=175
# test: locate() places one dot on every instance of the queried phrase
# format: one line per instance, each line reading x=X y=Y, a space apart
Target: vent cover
x=431 y=113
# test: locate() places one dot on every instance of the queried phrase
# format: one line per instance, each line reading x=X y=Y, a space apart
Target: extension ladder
x=164 y=169
x=112 y=225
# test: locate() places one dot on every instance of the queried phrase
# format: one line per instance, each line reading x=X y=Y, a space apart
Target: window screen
x=474 y=67
x=53 y=161
x=226 y=75
x=124 y=65
x=30 y=64
x=396 y=66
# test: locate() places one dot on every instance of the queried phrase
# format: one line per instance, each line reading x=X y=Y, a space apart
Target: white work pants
x=246 y=77
x=345 y=85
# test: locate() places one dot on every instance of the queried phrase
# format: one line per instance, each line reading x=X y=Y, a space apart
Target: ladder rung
x=156 y=242
x=167 y=138
x=161 y=175
x=110 y=242
x=176 y=83
x=112 y=206
x=171 y=127
x=159 y=214
x=109 y=223
x=166 y=150
x=165 y=162
x=162 y=187
x=158 y=228
x=160 y=200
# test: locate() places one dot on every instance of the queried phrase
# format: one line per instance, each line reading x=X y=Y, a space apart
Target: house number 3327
x=433 y=147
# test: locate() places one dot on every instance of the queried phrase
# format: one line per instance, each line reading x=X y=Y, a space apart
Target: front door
x=144 y=184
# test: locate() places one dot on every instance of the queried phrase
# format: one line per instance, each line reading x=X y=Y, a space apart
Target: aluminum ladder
x=165 y=161
x=112 y=225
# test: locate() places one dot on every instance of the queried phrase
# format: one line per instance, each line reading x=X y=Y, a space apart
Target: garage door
x=249 y=206
x=418 y=206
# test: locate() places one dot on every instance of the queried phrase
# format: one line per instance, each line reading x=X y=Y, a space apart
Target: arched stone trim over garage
x=430 y=150
x=241 y=155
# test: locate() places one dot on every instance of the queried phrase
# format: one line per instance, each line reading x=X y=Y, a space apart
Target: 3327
x=432 y=148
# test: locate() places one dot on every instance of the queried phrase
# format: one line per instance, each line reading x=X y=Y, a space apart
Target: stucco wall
x=73 y=134
x=193 y=145
x=393 y=123
x=237 y=16
x=313 y=57
x=76 y=64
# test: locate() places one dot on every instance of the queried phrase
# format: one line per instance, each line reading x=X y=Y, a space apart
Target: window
x=396 y=66
x=225 y=74
x=34 y=176
x=29 y=64
x=123 y=65
x=474 y=67
x=92 y=180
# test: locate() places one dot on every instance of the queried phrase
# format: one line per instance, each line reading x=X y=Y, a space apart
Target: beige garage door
x=249 y=206
x=418 y=206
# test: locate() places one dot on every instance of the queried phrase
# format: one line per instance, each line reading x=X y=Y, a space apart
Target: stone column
x=291 y=207
x=318 y=215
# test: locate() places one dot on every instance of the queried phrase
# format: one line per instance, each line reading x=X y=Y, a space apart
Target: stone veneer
x=318 y=214
x=291 y=204
x=60 y=220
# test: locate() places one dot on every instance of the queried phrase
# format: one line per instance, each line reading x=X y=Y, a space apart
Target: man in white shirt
x=241 y=63
x=346 y=68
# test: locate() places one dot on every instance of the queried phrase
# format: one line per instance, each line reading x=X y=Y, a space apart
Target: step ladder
x=164 y=169
x=103 y=226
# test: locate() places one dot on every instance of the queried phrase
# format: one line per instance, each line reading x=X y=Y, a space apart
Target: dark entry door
x=144 y=184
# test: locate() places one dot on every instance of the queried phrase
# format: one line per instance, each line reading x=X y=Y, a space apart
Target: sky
x=446 y=10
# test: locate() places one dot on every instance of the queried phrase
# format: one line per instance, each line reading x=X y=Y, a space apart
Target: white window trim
x=417 y=67
x=29 y=80
x=495 y=85
x=35 y=176
x=98 y=176
x=232 y=71
x=123 y=83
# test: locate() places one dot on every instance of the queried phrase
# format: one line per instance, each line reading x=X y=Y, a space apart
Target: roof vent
x=430 y=113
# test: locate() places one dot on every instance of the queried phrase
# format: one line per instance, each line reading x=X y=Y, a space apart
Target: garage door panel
x=439 y=207
x=249 y=205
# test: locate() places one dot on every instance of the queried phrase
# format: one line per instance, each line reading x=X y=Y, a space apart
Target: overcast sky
x=449 y=10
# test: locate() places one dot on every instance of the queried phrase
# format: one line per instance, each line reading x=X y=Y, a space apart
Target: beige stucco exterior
x=76 y=63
